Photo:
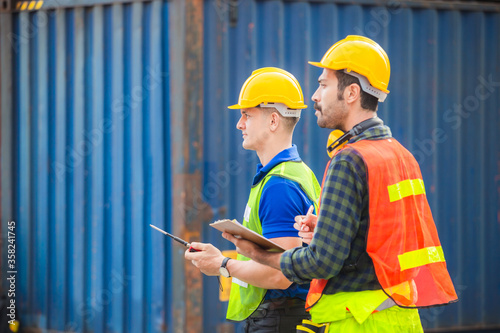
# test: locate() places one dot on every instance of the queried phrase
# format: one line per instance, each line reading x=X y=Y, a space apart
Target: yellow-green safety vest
x=349 y=312
x=245 y=298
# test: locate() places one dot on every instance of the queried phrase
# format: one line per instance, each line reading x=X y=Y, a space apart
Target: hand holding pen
x=306 y=224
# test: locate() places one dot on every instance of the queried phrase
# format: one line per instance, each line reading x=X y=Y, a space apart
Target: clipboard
x=238 y=230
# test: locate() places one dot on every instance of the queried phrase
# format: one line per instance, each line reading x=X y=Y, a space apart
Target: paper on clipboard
x=235 y=228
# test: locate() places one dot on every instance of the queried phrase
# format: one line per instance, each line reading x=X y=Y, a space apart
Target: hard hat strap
x=367 y=87
x=282 y=109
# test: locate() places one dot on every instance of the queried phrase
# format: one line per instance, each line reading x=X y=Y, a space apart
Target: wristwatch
x=223 y=270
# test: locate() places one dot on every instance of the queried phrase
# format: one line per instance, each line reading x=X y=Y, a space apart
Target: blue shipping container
x=113 y=117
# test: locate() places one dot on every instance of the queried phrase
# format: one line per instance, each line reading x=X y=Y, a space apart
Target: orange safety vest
x=402 y=238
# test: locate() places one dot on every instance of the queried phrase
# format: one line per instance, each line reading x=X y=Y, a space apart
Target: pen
x=311 y=209
x=177 y=239
x=309 y=213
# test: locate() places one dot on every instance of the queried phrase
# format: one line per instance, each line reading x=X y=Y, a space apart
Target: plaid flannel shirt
x=340 y=236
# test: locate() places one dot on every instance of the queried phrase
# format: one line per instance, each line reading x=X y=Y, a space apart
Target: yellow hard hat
x=360 y=55
x=268 y=86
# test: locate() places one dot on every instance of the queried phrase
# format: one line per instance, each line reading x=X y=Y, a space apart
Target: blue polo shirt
x=281 y=200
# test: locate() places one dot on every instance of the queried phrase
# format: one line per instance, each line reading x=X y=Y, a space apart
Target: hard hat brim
x=239 y=106
x=317 y=64
x=320 y=65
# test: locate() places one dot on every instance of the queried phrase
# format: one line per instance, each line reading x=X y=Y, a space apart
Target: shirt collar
x=373 y=133
x=289 y=154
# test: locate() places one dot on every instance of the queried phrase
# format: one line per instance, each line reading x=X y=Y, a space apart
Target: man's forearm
x=254 y=251
x=257 y=275
x=267 y=258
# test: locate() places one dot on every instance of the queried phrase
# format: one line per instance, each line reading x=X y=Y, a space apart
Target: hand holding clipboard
x=235 y=228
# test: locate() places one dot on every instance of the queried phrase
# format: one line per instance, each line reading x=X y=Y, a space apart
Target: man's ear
x=352 y=93
x=274 y=121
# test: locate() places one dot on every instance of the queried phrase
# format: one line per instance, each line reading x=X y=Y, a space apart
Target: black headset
x=356 y=130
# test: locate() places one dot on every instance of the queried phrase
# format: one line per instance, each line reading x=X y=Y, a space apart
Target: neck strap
x=356 y=130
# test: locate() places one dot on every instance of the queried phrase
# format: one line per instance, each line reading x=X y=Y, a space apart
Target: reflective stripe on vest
x=409 y=261
x=421 y=257
x=405 y=188
x=243 y=301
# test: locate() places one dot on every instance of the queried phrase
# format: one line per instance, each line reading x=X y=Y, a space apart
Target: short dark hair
x=289 y=122
x=368 y=102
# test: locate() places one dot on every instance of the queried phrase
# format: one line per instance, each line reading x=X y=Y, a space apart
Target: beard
x=333 y=117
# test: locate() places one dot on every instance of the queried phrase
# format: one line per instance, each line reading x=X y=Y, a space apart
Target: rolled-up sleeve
x=338 y=223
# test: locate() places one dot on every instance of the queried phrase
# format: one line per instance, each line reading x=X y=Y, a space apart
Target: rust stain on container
x=189 y=208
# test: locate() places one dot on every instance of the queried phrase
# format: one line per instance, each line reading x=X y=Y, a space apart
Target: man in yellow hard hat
x=374 y=256
x=270 y=102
